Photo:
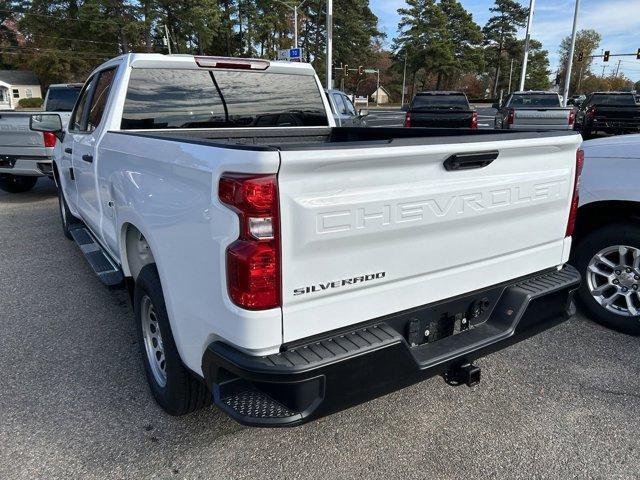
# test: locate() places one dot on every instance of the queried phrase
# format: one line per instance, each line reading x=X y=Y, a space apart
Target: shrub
x=30 y=102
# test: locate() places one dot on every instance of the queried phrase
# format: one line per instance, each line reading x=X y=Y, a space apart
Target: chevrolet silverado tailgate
x=372 y=230
x=533 y=118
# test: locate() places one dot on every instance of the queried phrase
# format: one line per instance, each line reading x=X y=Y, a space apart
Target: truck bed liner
x=337 y=137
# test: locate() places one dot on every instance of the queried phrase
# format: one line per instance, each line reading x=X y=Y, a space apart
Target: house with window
x=17 y=84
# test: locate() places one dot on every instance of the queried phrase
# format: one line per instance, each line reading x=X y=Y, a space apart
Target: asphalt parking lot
x=74 y=402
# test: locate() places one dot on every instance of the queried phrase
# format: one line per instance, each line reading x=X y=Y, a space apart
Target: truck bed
x=337 y=137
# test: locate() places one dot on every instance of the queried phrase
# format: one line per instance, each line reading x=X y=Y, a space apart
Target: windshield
x=616 y=99
x=538 y=100
x=62 y=99
x=448 y=102
x=179 y=98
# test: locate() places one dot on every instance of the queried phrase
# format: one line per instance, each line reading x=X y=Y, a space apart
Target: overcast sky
x=618 y=21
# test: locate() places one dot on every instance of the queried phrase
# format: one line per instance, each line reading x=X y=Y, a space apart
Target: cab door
x=85 y=151
x=75 y=131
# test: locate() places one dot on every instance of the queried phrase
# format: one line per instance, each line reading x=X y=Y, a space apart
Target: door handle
x=87 y=158
x=467 y=161
x=68 y=150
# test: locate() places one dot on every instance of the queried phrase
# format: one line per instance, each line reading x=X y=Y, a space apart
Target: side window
x=350 y=108
x=99 y=99
x=340 y=106
x=76 y=123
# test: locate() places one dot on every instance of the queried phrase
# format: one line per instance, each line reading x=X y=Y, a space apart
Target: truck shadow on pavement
x=43 y=190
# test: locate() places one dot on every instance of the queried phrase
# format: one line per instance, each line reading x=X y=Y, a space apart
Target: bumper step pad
x=245 y=401
x=102 y=265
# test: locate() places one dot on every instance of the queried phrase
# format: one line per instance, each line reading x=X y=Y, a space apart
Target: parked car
x=534 y=110
x=344 y=113
x=608 y=112
x=441 y=110
x=26 y=155
x=606 y=246
x=292 y=272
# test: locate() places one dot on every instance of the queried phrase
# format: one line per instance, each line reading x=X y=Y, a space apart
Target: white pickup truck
x=288 y=268
x=26 y=155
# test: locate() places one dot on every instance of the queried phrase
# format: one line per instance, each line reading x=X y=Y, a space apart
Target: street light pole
x=567 y=75
x=295 y=18
x=523 y=74
x=404 y=77
x=329 y=41
x=295 y=26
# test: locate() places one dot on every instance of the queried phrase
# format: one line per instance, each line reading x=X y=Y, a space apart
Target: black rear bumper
x=324 y=375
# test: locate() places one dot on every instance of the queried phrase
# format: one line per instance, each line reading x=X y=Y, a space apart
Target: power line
x=37 y=49
x=36 y=53
x=27 y=35
x=54 y=16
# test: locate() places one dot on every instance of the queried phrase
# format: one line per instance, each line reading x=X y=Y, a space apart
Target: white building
x=17 y=84
x=382 y=95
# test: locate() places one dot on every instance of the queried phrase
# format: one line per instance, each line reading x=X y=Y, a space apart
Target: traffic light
x=581 y=56
x=605 y=57
x=345 y=70
x=361 y=69
x=638 y=54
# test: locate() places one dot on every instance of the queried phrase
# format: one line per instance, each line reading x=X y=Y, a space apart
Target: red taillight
x=575 y=200
x=49 y=139
x=407 y=120
x=253 y=260
x=474 y=120
x=591 y=112
x=511 y=116
x=572 y=117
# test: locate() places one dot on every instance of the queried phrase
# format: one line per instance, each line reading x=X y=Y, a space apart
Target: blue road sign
x=294 y=53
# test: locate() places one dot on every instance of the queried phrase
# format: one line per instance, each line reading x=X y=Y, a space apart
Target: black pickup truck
x=441 y=110
x=609 y=112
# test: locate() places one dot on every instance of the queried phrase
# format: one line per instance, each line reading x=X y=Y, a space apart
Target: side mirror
x=363 y=112
x=46 y=122
x=496 y=105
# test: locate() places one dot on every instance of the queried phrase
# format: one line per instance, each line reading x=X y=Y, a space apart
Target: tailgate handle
x=467 y=161
x=87 y=158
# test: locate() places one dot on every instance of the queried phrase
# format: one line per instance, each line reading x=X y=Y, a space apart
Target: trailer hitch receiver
x=464 y=374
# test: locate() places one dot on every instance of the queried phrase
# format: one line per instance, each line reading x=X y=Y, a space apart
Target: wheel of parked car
x=609 y=261
x=174 y=387
x=66 y=217
x=16 y=183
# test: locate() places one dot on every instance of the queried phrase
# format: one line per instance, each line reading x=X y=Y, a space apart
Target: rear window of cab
x=181 y=98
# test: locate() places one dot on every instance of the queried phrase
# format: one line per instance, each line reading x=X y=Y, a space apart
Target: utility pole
x=567 y=79
x=167 y=38
x=618 y=67
x=329 y=41
x=580 y=79
x=523 y=74
x=603 y=69
x=404 y=77
x=378 y=89
x=510 y=74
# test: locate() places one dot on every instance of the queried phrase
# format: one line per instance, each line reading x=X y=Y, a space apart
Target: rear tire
x=175 y=388
x=16 y=183
x=585 y=258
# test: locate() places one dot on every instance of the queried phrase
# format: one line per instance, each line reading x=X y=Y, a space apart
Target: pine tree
x=501 y=29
